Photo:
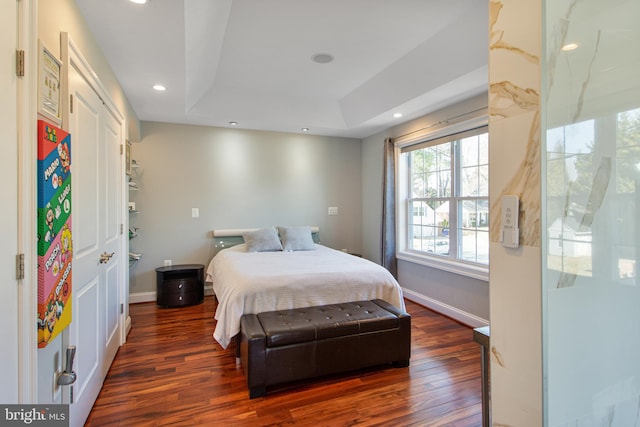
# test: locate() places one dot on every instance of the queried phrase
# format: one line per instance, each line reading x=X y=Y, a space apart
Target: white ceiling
x=249 y=61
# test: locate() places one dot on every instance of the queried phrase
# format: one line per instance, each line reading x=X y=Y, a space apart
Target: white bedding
x=264 y=281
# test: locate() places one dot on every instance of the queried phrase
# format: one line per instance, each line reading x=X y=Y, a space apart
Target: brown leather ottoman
x=288 y=345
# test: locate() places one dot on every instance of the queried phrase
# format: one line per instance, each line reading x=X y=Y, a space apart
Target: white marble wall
x=591 y=118
x=515 y=165
x=565 y=138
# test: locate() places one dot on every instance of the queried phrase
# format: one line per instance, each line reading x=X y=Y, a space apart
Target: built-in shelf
x=133 y=231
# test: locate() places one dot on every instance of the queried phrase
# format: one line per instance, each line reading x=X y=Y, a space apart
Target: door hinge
x=121 y=149
x=71 y=104
x=121 y=308
x=20 y=266
x=19 y=63
x=121 y=228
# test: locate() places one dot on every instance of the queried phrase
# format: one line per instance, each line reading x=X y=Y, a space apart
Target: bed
x=300 y=273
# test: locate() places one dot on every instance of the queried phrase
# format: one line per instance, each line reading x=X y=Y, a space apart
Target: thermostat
x=509 y=231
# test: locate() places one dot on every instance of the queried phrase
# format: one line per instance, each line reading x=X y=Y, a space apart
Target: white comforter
x=264 y=281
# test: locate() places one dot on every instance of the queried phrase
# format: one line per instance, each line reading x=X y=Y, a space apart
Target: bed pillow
x=296 y=238
x=263 y=240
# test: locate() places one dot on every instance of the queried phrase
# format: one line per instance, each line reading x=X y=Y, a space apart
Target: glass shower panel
x=591 y=225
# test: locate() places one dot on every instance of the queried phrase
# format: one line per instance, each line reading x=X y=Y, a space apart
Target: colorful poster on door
x=54 y=231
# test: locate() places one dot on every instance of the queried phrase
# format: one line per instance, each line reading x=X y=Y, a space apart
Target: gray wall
x=237 y=179
x=241 y=178
x=432 y=287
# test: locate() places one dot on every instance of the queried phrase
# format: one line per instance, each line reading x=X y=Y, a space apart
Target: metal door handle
x=105 y=257
x=68 y=376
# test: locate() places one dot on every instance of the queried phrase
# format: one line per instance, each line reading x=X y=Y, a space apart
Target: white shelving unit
x=133 y=231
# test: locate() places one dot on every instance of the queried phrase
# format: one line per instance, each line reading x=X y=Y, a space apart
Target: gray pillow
x=296 y=238
x=265 y=239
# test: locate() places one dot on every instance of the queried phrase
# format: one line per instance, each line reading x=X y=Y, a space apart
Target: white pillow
x=263 y=240
x=296 y=238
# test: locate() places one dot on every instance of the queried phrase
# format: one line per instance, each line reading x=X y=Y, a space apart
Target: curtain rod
x=441 y=122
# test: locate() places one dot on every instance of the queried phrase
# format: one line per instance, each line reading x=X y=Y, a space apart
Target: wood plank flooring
x=172 y=372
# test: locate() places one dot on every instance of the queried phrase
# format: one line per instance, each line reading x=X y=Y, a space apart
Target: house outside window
x=443 y=201
x=581 y=155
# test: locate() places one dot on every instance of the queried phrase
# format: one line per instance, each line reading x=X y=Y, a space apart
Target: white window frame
x=403 y=252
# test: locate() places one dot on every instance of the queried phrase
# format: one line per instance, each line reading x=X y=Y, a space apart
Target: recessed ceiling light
x=233 y=123
x=159 y=88
x=322 y=58
x=569 y=46
x=305 y=129
x=138 y=1
x=397 y=115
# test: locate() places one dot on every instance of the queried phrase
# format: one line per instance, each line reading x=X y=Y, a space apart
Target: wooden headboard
x=228 y=237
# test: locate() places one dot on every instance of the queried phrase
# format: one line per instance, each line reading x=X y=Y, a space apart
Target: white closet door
x=96 y=196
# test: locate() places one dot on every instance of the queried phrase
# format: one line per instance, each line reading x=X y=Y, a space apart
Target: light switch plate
x=195 y=212
x=333 y=210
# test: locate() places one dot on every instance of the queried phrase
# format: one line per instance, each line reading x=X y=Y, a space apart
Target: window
x=444 y=199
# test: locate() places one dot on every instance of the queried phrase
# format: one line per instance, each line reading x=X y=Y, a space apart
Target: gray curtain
x=389 y=209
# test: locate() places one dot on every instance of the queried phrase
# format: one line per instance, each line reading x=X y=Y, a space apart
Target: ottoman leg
x=257 y=392
x=401 y=363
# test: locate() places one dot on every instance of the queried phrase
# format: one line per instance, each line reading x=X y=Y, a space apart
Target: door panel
x=87 y=339
x=112 y=208
x=85 y=178
x=112 y=329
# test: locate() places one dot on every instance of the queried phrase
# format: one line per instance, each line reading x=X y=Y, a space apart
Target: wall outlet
x=167 y=263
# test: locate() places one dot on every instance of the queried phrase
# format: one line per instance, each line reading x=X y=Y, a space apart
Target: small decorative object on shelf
x=133 y=258
x=133 y=232
x=180 y=285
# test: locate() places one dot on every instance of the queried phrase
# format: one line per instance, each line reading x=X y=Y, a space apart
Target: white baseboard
x=442 y=308
x=208 y=289
x=142 y=297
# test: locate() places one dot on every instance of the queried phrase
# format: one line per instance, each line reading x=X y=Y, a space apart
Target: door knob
x=105 y=257
x=68 y=376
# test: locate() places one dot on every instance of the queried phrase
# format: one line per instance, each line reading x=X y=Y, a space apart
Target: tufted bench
x=288 y=345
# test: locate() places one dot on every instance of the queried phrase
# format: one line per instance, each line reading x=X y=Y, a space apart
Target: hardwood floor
x=172 y=372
